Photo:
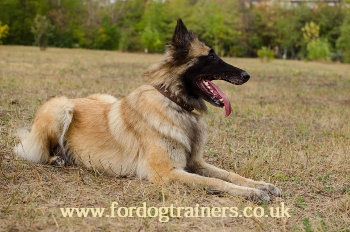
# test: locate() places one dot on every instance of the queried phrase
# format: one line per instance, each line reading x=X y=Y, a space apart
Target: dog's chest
x=182 y=148
x=177 y=153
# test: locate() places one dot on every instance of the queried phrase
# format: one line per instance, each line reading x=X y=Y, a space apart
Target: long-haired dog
x=156 y=132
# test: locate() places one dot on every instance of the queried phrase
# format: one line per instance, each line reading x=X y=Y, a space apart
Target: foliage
x=330 y=19
x=266 y=54
x=41 y=29
x=318 y=49
x=343 y=42
x=311 y=31
x=19 y=15
x=4 y=29
x=215 y=24
x=231 y=27
x=152 y=27
x=107 y=36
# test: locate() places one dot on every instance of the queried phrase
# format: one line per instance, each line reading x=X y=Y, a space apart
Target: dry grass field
x=289 y=126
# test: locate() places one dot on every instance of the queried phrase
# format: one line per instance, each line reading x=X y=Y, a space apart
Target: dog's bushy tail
x=48 y=130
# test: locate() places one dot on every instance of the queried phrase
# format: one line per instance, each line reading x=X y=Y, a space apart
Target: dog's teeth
x=221 y=99
x=206 y=83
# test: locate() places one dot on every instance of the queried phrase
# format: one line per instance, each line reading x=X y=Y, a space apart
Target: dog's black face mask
x=198 y=79
x=204 y=68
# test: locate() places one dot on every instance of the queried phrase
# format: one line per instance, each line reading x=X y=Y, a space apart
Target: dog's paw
x=259 y=196
x=274 y=190
x=57 y=161
x=269 y=188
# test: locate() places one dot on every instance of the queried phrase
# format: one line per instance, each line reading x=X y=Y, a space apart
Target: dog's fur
x=156 y=132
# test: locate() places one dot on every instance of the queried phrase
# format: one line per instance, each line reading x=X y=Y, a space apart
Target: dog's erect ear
x=182 y=37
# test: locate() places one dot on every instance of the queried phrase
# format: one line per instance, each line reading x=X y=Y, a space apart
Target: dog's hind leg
x=48 y=130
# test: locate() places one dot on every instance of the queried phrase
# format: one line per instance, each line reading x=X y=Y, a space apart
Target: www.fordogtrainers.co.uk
x=164 y=213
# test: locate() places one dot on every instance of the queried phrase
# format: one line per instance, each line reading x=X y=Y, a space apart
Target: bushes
x=318 y=49
x=107 y=37
x=152 y=27
x=41 y=29
x=231 y=27
x=266 y=54
x=343 y=42
x=3 y=31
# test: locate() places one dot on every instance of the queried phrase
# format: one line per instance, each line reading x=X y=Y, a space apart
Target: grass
x=289 y=126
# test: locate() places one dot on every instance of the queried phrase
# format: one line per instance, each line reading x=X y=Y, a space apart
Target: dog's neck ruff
x=178 y=101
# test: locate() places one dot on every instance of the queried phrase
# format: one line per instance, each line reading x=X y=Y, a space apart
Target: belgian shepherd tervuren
x=156 y=132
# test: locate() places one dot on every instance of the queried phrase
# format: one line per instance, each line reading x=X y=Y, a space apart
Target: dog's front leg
x=161 y=168
x=202 y=168
x=217 y=185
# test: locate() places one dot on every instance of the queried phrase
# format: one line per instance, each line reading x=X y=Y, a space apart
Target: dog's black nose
x=245 y=76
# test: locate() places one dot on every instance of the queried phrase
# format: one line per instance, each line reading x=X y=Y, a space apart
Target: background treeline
x=233 y=27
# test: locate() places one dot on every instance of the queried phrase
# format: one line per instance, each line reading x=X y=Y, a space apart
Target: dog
x=157 y=132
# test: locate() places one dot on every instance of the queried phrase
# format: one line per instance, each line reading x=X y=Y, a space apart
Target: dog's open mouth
x=217 y=97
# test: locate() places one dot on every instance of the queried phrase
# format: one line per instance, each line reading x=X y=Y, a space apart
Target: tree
x=127 y=13
x=4 y=29
x=152 y=25
x=19 y=15
x=214 y=23
x=330 y=18
x=343 y=42
x=107 y=36
x=232 y=27
x=286 y=36
x=311 y=31
x=41 y=29
x=317 y=48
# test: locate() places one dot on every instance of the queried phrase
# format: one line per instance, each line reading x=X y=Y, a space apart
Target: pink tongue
x=226 y=101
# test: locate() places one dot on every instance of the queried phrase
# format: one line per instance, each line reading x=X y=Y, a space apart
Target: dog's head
x=190 y=67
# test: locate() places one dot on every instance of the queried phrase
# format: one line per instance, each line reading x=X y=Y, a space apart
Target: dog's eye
x=211 y=56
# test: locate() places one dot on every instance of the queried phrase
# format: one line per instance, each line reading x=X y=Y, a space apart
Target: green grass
x=289 y=126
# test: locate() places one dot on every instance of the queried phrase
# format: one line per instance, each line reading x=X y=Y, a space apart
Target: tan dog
x=156 y=132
